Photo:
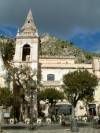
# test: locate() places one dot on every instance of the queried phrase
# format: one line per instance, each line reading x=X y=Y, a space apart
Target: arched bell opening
x=26 y=53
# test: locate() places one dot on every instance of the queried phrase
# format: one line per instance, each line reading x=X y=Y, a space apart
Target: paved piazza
x=81 y=130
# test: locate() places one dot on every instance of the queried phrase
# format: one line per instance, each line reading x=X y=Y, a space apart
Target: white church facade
x=52 y=69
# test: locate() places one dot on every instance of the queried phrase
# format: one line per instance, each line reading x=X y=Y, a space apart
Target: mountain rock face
x=50 y=47
x=53 y=47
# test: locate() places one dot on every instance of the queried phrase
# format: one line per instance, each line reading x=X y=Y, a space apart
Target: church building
x=52 y=68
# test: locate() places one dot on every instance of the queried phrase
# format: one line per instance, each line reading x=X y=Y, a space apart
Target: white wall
x=97 y=93
x=57 y=72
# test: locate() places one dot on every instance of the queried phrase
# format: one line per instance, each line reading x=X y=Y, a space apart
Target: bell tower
x=27 y=39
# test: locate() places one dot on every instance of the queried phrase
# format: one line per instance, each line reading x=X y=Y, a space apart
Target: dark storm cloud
x=54 y=16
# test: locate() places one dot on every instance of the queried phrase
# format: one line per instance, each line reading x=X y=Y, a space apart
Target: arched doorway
x=92 y=109
x=26 y=53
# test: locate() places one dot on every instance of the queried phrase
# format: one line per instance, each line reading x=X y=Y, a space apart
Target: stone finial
x=3 y=72
x=17 y=32
x=29 y=16
x=2 y=67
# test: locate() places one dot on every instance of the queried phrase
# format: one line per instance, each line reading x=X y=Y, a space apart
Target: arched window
x=26 y=53
x=50 y=77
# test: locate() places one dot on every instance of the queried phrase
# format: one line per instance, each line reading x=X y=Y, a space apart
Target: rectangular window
x=50 y=77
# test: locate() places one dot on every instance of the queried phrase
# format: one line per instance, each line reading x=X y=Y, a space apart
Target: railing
x=51 y=83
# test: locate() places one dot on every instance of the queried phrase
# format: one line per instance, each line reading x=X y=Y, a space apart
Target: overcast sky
x=58 y=17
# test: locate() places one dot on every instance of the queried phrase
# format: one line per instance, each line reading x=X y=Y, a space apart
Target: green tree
x=50 y=94
x=7 y=45
x=79 y=85
x=22 y=76
x=24 y=83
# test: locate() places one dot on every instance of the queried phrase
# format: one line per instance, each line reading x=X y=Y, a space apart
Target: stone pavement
x=81 y=130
